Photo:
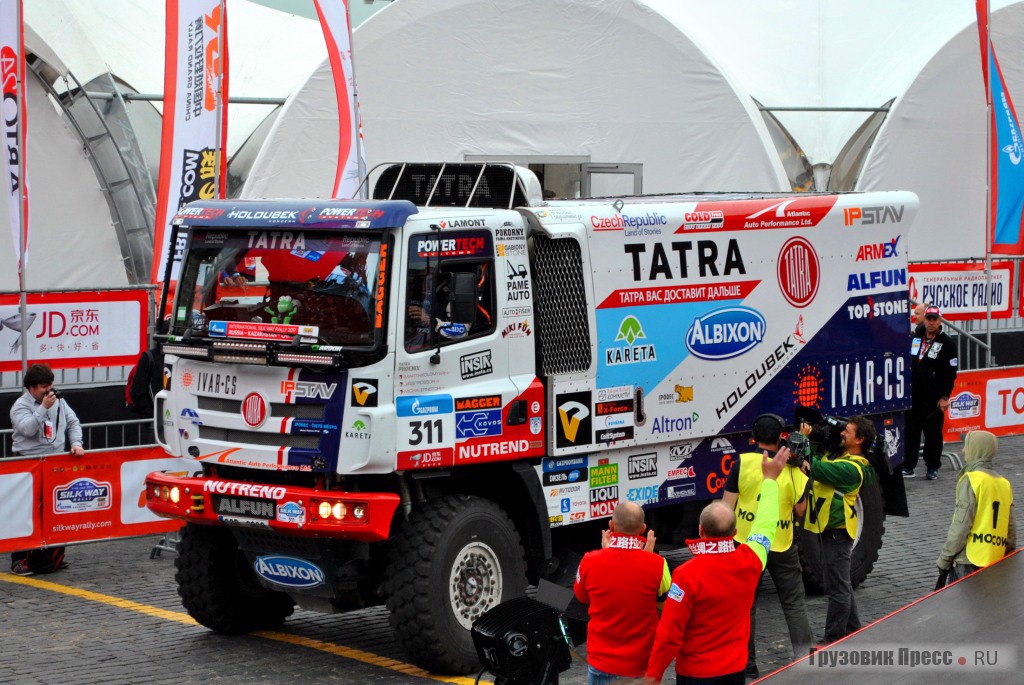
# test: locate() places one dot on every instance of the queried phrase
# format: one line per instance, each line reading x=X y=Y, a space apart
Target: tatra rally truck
x=436 y=396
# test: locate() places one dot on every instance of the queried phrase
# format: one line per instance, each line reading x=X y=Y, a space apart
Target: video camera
x=825 y=430
x=799 y=447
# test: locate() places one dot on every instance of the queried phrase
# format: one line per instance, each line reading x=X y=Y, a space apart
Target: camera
x=825 y=430
x=799 y=447
x=56 y=393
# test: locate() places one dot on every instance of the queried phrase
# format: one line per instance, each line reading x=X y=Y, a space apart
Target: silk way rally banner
x=962 y=291
x=13 y=113
x=986 y=399
x=195 y=128
x=1006 y=175
x=334 y=19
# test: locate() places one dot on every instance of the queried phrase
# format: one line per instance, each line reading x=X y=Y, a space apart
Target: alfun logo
x=364 y=392
x=574 y=420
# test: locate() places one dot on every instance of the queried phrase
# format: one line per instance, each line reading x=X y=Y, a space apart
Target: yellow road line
x=330 y=648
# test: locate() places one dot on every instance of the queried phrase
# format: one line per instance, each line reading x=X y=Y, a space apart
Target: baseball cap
x=931 y=310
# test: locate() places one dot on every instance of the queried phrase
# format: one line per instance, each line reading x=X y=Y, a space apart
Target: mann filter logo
x=288 y=572
x=364 y=392
x=83 y=494
x=475 y=365
x=574 y=420
x=799 y=272
x=965 y=405
x=255 y=410
x=643 y=466
x=725 y=333
x=630 y=331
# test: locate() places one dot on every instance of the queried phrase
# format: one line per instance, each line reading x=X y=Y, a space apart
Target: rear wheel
x=870 y=529
x=218 y=587
x=454 y=559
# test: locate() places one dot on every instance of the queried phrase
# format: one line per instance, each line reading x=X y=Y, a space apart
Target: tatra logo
x=571 y=415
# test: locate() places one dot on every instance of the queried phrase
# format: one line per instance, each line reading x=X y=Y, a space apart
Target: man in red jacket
x=622 y=583
x=706 y=621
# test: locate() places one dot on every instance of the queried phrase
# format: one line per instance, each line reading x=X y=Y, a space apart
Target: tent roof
x=571 y=80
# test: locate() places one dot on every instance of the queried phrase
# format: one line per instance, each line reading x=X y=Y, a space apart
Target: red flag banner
x=193 y=165
x=1006 y=156
x=334 y=19
x=13 y=125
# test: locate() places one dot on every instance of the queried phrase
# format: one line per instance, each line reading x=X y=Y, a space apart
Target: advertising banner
x=74 y=329
x=986 y=399
x=959 y=290
x=62 y=499
x=192 y=163
x=13 y=124
x=334 y=18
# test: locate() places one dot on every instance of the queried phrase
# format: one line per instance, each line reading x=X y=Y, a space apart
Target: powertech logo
x=574 y=420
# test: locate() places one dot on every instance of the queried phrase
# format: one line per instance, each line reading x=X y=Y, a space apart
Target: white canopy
x=576 y=80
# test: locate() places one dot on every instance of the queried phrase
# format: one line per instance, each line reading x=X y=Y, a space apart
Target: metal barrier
x=133 y=433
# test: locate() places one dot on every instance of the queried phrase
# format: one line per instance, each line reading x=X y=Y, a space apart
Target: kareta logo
x=630 y=331
x=725 y=333
x=289 y=571
x=571 y=415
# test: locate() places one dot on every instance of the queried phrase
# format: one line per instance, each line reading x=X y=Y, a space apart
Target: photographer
x=838 y=477
x=43 y=424
x=741 y=494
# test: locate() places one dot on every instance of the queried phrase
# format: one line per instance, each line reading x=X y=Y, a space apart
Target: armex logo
x=725 y=333
x=879 y=250
x=288 y=571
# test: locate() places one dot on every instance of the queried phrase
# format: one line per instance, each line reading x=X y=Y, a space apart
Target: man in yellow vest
x=742 y=491
x=983 y=529
x=831 y=514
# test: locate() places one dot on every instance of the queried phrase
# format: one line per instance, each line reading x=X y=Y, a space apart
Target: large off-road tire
x=218 y=587
x=870 y=529
x=455 y=558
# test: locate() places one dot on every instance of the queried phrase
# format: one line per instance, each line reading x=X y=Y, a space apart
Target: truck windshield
x=280 y=281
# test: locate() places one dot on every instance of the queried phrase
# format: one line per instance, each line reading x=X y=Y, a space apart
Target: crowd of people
x=707 y=606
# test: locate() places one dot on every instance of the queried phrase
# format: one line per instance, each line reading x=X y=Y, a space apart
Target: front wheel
x=454 y=559
x=870 y=529
x=218 y=587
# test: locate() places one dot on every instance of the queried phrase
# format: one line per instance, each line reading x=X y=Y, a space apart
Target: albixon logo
x=725 y=333
x=289 y=571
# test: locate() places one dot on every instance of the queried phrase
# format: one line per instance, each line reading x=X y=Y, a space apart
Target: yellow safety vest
x=819 y=509
x=987 y=541
x=792 y=482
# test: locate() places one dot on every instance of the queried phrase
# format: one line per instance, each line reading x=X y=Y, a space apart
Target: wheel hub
x=475 y=584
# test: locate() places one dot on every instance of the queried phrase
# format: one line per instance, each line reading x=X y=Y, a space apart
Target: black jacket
x=934 y=366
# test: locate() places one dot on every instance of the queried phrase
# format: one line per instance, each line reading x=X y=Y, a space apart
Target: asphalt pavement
x=114 y=615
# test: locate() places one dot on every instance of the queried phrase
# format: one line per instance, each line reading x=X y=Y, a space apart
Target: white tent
x=934 y=140
x=555 y=82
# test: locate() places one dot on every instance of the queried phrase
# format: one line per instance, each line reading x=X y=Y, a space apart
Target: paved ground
x=114 y=616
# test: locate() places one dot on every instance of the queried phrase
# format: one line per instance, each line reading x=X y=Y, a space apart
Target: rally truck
x=437 y=396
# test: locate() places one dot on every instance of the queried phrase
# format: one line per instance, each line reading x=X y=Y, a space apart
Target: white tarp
x=606 y=82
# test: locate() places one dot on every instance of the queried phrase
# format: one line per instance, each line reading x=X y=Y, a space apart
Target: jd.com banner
x=987 y=399
x=62 y=499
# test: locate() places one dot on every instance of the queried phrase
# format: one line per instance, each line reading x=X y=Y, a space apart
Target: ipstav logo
x=725 y=333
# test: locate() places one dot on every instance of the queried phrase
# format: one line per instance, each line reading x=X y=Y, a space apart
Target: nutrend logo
x=571 y=415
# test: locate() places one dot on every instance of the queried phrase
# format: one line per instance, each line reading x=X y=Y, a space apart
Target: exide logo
x=725 y=333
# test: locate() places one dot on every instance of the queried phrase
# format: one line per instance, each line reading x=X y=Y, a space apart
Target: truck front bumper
x=310 y=512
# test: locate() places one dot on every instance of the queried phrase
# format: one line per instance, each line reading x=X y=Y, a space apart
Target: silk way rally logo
x=630 y=331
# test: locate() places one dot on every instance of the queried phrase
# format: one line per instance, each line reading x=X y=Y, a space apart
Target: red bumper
x=287 y=509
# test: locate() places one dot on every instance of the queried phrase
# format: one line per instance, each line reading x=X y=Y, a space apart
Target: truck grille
x=246 y=437
x=314 y=412
x=560 y=302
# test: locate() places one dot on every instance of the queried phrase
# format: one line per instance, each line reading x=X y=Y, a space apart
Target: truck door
x=453 y=384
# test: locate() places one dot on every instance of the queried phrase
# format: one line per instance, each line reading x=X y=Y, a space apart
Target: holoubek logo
x=288 y=571
x=725 y=333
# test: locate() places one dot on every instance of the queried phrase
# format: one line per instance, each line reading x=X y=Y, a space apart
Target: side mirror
x=464 y=297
